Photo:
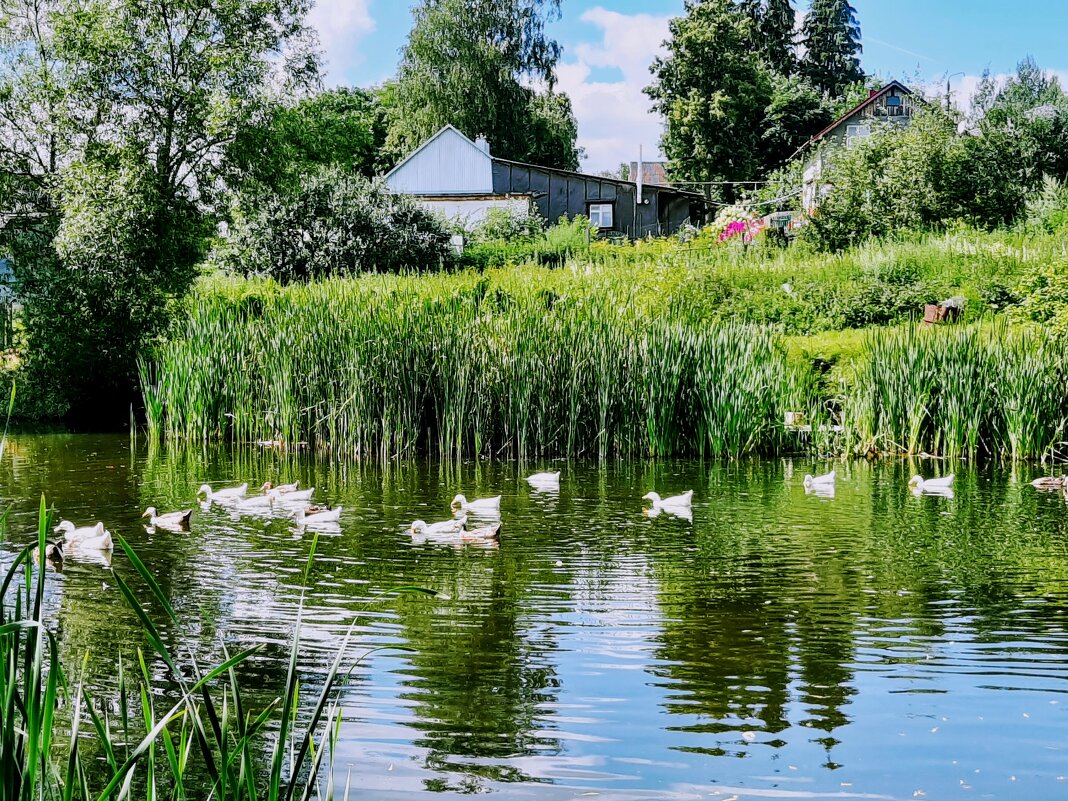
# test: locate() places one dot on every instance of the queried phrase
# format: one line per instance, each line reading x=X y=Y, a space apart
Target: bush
x=96 y=283
x=332 y=224
x=1043 y=293
x=506 y=225
x=918 y=178
x=1047 y=209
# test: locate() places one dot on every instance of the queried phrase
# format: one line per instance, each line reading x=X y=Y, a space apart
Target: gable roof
x=430 y=141
x=859 y=107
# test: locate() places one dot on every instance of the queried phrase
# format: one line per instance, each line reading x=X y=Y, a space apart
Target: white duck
x=545 y=479
x=444 y=527
x=227 y=495
x=1049 y=482
x=95 y=538
x=296 y=496
x=281 y=489
x=478 y=506
x=936 y=485
x=168 y=519
x=257 y=502
x=682 y=501
x=826 y=480
x=313 y=515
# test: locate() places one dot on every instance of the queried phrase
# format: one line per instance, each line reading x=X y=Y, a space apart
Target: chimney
x=872 y=93
x=482 y=144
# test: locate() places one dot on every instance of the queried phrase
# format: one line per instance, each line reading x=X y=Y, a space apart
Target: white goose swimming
x=478 y=506
x=296 y=496
x=95 y=538
x=920 y=484
x=545 y=479
x=313 y=515
x=444 y=527
x=168 y=519
x=682 y=501
x=281 y=489
x=226 y=495
x=826 y=480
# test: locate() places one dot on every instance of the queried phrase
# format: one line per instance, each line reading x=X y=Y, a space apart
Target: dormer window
x=894 y=107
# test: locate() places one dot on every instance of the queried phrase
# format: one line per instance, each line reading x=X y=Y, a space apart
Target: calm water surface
x=782 y=645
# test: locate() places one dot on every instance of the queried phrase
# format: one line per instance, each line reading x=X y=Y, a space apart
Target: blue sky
x=608 y=45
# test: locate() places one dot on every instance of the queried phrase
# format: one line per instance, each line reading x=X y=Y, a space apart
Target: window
x=854 y=132
x=601 y=215
x=893 y=106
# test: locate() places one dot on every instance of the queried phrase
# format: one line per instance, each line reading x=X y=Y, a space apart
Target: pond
x=873 y=644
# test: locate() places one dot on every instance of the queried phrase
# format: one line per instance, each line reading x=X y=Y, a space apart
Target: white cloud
x=341 y=24
x=615 y=117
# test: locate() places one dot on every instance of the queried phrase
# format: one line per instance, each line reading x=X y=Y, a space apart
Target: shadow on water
x=873 y=642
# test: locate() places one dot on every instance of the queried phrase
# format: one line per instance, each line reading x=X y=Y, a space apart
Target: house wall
x=468 y=212
x=556 y=194
x=448 y=164
x=877 y=113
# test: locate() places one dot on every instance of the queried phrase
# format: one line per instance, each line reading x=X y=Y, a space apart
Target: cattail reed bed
x=582 y=365
x=983 y=391
x=449 y=367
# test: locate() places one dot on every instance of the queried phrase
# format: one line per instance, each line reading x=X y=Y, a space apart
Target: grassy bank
x=652 y=349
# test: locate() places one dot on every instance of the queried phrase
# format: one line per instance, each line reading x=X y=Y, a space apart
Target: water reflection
x=771 y=641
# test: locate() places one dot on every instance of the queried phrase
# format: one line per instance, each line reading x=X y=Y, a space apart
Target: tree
x=775 y=36
x=831 y=36
x=712 y=91
x=1028 y=118
x=333 y=223
x=472 y=63
x=118 y=115
x=342 y=127
x=797 y=111
x=99 y=289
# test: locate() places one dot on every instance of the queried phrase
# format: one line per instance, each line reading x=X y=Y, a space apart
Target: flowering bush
x=737 y=221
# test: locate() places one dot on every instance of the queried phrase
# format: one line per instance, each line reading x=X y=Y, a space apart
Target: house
x=459 y=178
x=893 y=104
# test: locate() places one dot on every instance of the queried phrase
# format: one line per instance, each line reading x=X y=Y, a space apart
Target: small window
x=601 y=215
x=893 y=106
x=854 y=132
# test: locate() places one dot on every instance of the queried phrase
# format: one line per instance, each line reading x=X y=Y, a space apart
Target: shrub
x=332 y=224
x=1043 y=293
x=507 y=225
x=1047 y=209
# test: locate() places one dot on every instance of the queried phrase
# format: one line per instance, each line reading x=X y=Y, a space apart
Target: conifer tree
x=831 y=36
x=775 y=29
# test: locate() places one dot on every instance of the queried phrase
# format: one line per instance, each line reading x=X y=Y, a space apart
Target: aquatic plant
x=207 y=743
x=386 y=369
x=984 y=390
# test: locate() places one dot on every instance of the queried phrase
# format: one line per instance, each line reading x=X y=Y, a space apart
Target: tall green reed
x=385 y=370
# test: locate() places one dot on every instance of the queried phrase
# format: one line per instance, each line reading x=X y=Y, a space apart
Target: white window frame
x=857 y=131
x=602 y=215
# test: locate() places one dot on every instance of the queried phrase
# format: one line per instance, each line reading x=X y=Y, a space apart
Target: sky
x=609 y=44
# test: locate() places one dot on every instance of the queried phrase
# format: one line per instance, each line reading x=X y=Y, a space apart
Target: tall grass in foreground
x=388 y=370
x=979 y=391
x=207 y=744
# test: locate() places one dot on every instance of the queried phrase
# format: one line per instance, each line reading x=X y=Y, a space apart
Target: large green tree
x=713 y=92
x=831 y=37
x=116 y=165
x=341 y=127
x=777 y=36
x=472 y=64
x=772 y=32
